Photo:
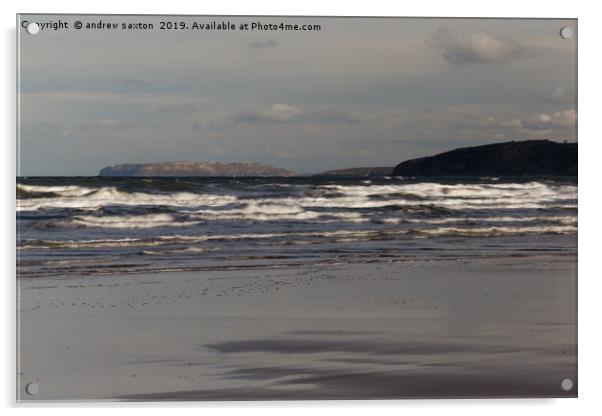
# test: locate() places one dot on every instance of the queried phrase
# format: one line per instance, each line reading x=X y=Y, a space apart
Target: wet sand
x=497 y=327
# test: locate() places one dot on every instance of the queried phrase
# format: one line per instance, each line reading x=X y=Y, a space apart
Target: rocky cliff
x=515 y=158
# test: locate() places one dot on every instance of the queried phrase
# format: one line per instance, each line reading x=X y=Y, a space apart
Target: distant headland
x=204 y=168
x=515 y=158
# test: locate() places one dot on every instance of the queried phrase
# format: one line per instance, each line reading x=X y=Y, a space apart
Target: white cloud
x=286 y=113
x=476 y=48
x=483 y=124
x=515 y=123
x=566 y=118
x=560 y=119
x=280 y=112
x=275 y=113
x=542 y=118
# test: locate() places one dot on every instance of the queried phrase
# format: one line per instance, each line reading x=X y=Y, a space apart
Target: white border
x=590 y=150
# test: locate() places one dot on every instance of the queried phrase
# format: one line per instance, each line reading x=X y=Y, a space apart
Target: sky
x=357 y=92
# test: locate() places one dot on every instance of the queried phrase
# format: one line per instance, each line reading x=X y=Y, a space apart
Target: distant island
x=370 y=172
x=205 y=168
x=515 y=158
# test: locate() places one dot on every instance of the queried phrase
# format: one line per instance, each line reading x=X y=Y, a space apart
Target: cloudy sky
x=359 y=92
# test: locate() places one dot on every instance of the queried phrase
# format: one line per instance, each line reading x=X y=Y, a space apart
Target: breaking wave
x=90 y=198
x=124 y=221
x=459 y=197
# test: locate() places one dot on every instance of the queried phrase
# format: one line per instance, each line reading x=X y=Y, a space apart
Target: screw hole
x=567 y=384
x=566 y=32
x=32 y=389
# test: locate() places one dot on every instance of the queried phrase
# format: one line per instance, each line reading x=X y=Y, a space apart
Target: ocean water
x=96 y=226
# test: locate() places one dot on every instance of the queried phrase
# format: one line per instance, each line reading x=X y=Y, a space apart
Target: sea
x=90 y=226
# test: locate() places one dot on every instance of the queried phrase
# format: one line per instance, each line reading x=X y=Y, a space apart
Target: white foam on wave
x=565 y=220
x=142 y=242
x=425 y=189
x=128 y=221
x=186 y=250
x=66 y=190
x=528 y=195
x=451 y=203
x=96 y=243
x=274 y=210
x=338 y=235
x=107 y=196
x=178 y=239
x=458 y=196
x=495 y=231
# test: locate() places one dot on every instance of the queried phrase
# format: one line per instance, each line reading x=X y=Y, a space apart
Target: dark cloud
x=476 y=48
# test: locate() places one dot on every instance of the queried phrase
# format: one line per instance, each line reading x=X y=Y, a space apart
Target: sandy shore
x=469 y=328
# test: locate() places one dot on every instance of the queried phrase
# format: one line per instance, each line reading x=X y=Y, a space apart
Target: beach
x=494 y=327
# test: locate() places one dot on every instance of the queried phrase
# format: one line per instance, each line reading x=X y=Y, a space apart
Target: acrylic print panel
x=234 y=208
